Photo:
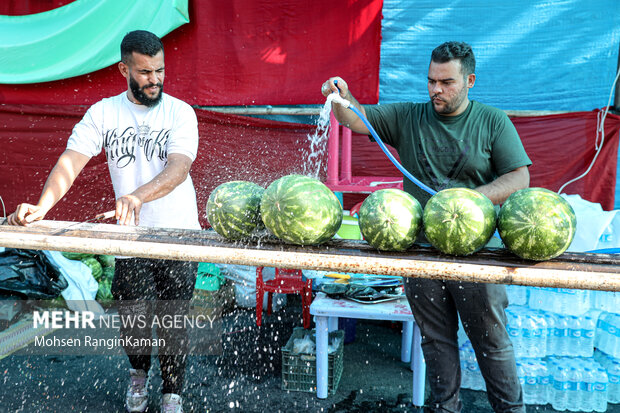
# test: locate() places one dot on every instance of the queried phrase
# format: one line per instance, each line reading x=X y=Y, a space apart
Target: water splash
x=316 y=154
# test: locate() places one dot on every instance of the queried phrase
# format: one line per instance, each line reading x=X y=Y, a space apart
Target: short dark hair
x=456 y=50
x=140 y=41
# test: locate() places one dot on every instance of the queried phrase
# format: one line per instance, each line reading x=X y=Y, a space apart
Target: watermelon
x=95 y=267
x=107 y=260
x=108 y=274
x=104 y=293
x=459 y=221
x=536 y=224
x=76 y=255
x=301 y=210
x=390 y=219
x=233 y=209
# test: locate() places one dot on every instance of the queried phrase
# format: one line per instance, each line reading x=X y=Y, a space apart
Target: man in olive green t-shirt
x=446 y=142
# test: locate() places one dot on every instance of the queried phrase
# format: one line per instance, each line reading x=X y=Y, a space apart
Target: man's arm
x=67 y=168
x=345 y=116
x=173 y=175
x=500 y=189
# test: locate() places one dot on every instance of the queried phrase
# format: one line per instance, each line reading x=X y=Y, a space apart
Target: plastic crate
x=299 y=370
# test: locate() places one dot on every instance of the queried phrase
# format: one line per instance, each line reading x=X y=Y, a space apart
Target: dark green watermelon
x=77 y=256
x=301 y=210
x=233 y=209
x=107 y=260
x=459 y=221
x=390 y=219
x=95 y=267
x=536 y=224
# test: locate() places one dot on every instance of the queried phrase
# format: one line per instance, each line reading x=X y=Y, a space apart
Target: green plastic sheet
x=81 y=37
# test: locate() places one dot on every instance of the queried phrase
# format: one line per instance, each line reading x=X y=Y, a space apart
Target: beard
x=140 y=96
x=453 y=104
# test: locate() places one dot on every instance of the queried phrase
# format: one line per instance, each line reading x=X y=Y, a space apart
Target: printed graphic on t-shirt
x=448 y=155
x=121 y=147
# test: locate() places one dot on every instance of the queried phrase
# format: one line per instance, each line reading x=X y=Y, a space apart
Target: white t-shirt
x=137 y=140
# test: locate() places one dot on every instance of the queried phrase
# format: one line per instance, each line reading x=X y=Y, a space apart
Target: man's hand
x=126 y=207
x=500 y=189
x=345 y=116
x=26 y=214
x=330 y=87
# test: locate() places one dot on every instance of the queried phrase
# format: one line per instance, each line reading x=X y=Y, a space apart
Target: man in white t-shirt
x=150 y=140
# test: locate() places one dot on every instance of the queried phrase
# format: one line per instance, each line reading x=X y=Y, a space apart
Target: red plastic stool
x=286 y=282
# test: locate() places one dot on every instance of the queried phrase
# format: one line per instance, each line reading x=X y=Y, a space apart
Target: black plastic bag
x=30 y=273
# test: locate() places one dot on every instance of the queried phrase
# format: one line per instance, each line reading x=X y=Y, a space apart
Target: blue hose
x=385 y=149
x=389 y=154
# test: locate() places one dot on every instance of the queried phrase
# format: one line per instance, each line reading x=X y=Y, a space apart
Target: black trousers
x=435 y=304
x=148 y=289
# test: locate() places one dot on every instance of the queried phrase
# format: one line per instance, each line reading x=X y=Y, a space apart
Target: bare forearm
x=344 y=115
x=502 y=187
x=164 y=183
x=173 y=175
x=347 y=117
x=60 y=179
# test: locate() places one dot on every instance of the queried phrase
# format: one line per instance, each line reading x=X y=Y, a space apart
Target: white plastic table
x=327 y=311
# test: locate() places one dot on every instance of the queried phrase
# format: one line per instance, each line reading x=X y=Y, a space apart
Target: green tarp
x=81 y=37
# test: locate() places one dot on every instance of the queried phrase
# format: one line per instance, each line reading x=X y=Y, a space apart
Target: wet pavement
x=245 y=376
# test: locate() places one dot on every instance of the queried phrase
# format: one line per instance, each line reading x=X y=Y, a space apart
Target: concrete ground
x=244 y=377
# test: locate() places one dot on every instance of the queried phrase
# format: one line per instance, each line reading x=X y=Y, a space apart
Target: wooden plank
x=571 y=270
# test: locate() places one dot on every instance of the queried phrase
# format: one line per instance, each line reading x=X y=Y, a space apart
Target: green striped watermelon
x=95 y=267
x=301 y=210
x=459 y=221
x=233 y=209
x=536 y=224
x=390 y=219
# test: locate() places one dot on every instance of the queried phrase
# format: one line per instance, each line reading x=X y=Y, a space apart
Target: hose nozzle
x=335 y=97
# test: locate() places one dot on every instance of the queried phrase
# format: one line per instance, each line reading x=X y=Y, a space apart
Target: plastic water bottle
x=528 y=385
x=601 y=336
x=542 y=332
x=528 y=337
x=600 y=390
x=542 y=299
x=574 y=335
x=513 y=327
x=517 y=294
x=613 y=388
x=551 y=339
x=561 y=335
x=544 y=377
x=587 y=384
x=573 y=399
x=607 y=301
x=588 y=327
x=614 y=334
x=609 y=330
x=560 y=387
x=521 y=375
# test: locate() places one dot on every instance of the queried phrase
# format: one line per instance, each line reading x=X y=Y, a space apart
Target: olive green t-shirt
x=467 y=150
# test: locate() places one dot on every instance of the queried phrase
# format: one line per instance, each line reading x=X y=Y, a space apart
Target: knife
x=96 y=218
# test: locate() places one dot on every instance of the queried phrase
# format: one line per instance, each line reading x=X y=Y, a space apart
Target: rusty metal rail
x=570 y=270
